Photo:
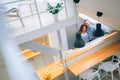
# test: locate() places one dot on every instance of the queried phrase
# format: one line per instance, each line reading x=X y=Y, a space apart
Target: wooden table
x=78 y=51
x=93 y=59
x=55 y=69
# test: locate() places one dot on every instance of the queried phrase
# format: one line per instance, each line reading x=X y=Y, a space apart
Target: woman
x=83 y=32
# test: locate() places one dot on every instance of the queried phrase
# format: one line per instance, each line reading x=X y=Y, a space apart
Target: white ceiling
x=110 y=8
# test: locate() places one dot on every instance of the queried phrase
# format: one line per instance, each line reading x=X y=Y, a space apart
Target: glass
x=24 y=15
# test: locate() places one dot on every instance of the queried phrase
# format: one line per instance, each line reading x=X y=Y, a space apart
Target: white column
x=72 y=11
x=17 y=69
x=70 y=8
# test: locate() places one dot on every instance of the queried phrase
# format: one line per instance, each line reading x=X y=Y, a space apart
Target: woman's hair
x=81 y=28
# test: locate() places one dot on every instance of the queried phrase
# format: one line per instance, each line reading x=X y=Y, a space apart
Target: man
x=90 y=30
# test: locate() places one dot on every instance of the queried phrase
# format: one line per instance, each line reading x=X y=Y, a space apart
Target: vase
x=79 y=42
x=99 y=32
x=55 y=17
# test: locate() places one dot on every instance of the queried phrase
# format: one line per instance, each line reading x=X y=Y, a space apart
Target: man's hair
x=86 y=20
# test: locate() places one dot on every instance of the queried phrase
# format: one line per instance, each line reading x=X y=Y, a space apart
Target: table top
x=78 y=51
x=93 y=59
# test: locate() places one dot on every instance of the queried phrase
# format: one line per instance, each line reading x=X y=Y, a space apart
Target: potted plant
x=54 y=9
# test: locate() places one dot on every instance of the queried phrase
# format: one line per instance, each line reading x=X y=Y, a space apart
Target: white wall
x=63 y=36
x=110 y=8
x=54 y=40
x=71 y=31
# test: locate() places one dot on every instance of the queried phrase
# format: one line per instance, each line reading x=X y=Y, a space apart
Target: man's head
x=86 y=22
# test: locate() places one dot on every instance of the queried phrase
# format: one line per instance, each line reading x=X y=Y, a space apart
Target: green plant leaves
x=55 y=9
x=58 y=5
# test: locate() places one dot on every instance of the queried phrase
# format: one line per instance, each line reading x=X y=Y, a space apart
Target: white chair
x=111 y=66
x=14 y=13
x=95 y=73
x=90 y=75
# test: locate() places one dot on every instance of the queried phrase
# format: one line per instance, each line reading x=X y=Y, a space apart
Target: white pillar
x=70 y=8
x=17 y=69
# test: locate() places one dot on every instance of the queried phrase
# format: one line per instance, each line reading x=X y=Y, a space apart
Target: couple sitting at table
x=87 y=31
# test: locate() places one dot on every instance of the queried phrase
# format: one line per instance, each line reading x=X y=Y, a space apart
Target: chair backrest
x=12 y=11
x=96 y=69
x=118 y=54
x=90 y=74
x=95 y=75
x=101 y=72
x=116 y=57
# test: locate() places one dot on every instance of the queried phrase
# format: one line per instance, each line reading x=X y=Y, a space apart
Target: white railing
x=32 y=14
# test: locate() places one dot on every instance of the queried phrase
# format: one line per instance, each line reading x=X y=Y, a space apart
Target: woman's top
x=85 y=37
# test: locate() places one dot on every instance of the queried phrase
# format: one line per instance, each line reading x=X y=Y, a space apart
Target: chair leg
x=20 y=19
x=80 y=78
x=119 y=72
x=105 y=77
x=99 y=77
x=112 y=75
x=21 y=22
